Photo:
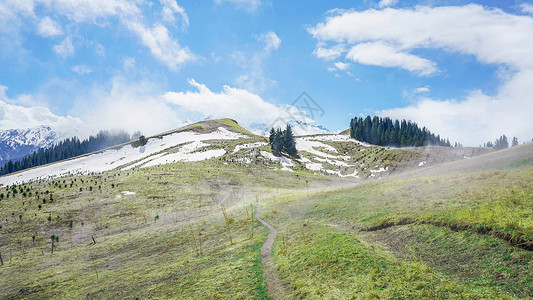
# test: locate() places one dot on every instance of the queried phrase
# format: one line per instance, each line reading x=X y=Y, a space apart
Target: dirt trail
x=274 y=286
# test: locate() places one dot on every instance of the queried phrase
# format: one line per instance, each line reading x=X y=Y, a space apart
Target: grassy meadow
x=186 y=231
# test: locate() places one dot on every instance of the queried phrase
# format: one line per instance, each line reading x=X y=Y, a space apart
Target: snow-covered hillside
x=322 y=154
x=128 y=156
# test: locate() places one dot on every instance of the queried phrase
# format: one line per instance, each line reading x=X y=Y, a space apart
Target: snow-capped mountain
x=18 y=143
x=298 y=127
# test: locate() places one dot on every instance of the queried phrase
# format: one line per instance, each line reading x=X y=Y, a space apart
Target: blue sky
x=463 y=69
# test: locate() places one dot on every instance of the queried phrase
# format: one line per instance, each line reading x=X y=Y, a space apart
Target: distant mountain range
x=18 y=143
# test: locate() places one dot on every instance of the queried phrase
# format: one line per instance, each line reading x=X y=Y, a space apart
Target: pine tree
x=282 y=141
x=289 y=143
x=515 y=142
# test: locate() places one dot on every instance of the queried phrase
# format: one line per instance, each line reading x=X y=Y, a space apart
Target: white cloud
x=253 y=77
x=132 y=106
x=99 y=50
x=49 y=28
x=423 y=89
x=170 y=7
x=91 y=11
x=65 y=48
x=231 y=102
x=385 y=3
x=82 y=70
x=17 y=116
x=329 y=53
x=490 y=35
x=526 y=8
x=99 y=12
x=271 y=40
x=162 y=45
x=248 y=5
x=380 y=54
x=341 y=66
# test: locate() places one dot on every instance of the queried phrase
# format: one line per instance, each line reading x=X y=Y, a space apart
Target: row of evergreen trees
x=501 y=143
x=386 y=132
x=282 y=141
x=67 y=149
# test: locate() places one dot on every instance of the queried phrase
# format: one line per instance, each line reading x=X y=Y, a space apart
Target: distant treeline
x=386 y=132
x=501 y=143
x=67 y=149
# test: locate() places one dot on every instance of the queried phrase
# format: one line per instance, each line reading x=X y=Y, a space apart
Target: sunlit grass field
x=186 y=230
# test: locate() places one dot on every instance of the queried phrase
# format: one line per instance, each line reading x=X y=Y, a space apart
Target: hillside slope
x=223 y=139
x=140 y=225
x=462 y=229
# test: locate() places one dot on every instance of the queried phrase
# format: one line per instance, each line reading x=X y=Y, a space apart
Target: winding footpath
x=274 y=286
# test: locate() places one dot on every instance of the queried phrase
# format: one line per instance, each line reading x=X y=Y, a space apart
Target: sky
x=462 y=69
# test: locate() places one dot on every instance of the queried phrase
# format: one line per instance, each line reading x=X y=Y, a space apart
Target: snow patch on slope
x=115 y=158
x=285 y=162
x=248 y=146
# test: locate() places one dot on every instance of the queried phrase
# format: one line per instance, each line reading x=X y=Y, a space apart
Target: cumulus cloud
x=65 y=48
x=456 y=29
x=381 y=54
x=492 y=36
x=248 y=5
x=49 y=28
x=231 y=102
x=16 y=116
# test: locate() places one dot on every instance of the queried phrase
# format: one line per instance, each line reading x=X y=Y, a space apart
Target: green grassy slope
x=463 y=234
x=456 y=231
x=167 y=240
